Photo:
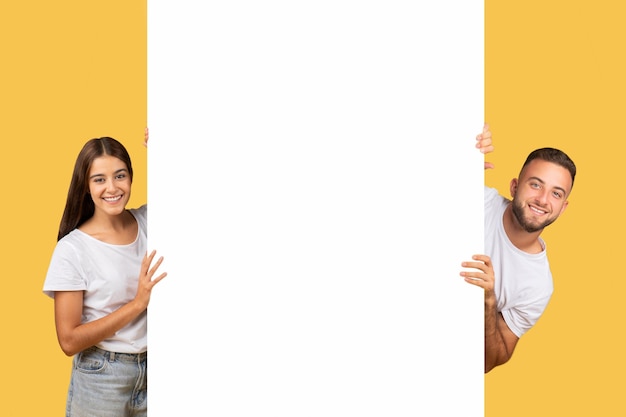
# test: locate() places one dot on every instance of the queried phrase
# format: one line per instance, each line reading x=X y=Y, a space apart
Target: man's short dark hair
x=555 y=156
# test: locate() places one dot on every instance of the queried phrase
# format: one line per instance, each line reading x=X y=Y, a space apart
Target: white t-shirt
x=523 y=281
x=108 y=274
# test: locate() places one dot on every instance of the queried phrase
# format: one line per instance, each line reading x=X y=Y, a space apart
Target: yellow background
x=73 y=70
x=555 y=76
x=70 y=70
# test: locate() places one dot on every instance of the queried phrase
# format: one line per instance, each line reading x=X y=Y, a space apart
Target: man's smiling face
x=540 y=194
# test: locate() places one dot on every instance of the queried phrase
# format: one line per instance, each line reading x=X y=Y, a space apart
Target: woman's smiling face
x=109 y=185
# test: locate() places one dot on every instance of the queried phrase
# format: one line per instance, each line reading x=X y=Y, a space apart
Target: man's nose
x=542 y=197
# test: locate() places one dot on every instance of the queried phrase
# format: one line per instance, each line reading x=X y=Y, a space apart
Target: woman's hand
x=147 y=280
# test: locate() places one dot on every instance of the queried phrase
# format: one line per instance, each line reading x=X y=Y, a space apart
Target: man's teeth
x=537 y=210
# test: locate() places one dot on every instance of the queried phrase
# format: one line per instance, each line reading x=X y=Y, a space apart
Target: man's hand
x=484 y=143
x=500 y=341
x=483 y=276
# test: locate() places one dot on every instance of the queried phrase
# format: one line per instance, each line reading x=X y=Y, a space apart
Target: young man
x=515 y=272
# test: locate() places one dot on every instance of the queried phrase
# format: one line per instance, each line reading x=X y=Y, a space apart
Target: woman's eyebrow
x=102 y=175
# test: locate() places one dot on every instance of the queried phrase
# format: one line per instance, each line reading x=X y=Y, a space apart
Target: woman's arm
x=68 y=309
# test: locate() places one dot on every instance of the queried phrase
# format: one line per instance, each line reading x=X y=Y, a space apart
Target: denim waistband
x=119 y=356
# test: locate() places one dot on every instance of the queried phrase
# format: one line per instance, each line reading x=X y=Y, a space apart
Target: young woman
x=101 y=278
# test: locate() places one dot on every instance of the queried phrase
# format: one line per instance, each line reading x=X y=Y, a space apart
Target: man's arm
x=500 y=341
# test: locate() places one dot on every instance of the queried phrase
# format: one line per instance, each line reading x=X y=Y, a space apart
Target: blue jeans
x=108 y=384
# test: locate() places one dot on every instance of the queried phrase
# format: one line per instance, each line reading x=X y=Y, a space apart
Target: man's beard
x=518 y=211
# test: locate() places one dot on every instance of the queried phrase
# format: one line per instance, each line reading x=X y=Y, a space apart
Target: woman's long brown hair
x=79 y=206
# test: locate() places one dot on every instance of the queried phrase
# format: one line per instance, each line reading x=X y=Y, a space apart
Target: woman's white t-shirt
x=108 y=274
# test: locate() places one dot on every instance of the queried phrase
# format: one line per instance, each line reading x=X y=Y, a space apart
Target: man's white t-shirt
x=108 y=274
x=523 y=281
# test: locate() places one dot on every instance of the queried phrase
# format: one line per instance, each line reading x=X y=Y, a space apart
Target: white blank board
x=314 y=188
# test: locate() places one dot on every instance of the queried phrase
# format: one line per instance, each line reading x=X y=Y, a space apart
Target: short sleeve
x=522 y=318
x=64 y=272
